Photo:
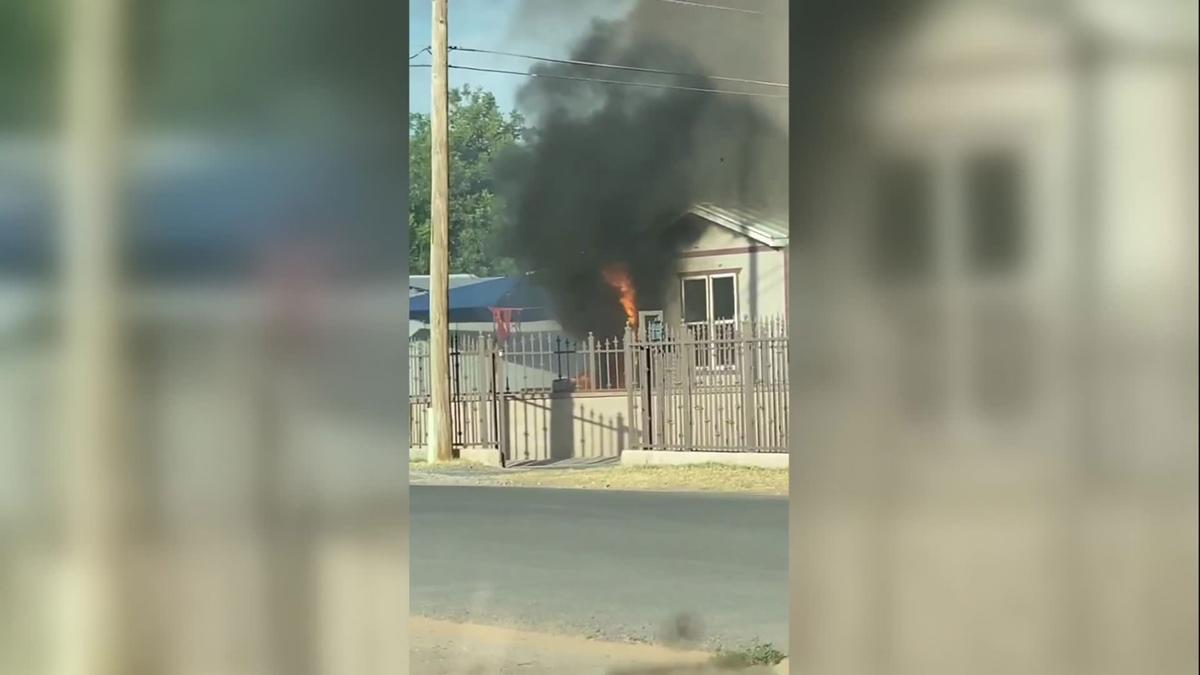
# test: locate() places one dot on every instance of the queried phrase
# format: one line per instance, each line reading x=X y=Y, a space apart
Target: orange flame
x=617 y=276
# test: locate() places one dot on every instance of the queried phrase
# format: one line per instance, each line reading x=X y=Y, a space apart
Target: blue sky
x=489 y=24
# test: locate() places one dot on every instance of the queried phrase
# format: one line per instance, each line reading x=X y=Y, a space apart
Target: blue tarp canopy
x=474 y=302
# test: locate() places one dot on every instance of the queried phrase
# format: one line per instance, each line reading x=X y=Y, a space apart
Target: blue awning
x=474 y=302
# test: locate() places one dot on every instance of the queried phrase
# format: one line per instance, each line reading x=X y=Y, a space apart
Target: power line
x=704 y=5
x=594 y=64
x=419 y=52
x=648 y=85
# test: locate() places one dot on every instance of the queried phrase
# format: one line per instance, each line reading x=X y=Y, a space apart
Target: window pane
x=903 y=241
x=723 y=298
x=695 y=300
x=995 y=206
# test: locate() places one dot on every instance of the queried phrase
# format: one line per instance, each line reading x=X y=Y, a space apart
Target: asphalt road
x=616 y=565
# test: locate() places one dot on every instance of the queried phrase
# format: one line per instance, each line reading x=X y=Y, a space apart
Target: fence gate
x=475 y=397
x=473 y=391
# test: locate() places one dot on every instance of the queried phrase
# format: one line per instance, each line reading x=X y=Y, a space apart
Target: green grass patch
x=755 y=654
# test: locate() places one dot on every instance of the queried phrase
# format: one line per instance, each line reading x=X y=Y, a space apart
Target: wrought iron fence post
x=558 y=370
x=487 y=393
x=635 y=440
x=499 y=401
x=455 y=373
x=590 y=369
x=686 y=353
x=748 y=410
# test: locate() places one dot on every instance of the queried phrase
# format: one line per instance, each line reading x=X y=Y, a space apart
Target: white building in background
x=472 y=299
x=418 y=284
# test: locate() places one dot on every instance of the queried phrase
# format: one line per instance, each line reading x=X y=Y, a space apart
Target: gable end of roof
x=767 y=230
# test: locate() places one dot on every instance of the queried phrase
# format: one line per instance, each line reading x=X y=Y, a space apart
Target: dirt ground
x=446 y=648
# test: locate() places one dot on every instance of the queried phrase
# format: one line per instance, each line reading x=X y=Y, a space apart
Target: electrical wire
x=595 y=64
x=704 y=5
x=426 y=48
x=648 y=85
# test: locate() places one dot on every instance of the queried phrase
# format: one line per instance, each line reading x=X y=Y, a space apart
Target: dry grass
x=692 y=477
x=455 y=464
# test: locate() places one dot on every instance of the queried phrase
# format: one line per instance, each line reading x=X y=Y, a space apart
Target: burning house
x=734 y=269
x=618 y=191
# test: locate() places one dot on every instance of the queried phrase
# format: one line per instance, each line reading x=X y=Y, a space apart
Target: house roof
x=474 y=301
x=419 y=330
x=419 y=283
x=757 y=225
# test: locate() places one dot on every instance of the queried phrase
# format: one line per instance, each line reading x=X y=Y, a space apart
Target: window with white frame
x=710 y=306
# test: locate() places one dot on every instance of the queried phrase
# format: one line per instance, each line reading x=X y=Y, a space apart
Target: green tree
x=479 y=131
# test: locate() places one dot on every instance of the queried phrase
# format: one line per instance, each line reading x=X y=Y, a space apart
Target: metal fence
x=716 y=388
x=700 y=387
x=545 y=361
x=524 y=363
x=473 y=391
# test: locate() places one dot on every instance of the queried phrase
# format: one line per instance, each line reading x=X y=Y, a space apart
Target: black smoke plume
x=609 y=171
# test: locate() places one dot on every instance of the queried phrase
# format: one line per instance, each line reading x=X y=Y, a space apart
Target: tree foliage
x=479 y=132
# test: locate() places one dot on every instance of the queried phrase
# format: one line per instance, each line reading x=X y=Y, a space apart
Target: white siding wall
x=761 y=273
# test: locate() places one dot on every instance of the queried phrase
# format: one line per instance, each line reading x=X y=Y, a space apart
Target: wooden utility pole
x=96 y=640
x=439 y=253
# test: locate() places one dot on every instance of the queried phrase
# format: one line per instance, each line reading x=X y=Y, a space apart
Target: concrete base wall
x=567 y=426
x=588 y=425
x=479 y=455
x=762 y=460
x=546 y=427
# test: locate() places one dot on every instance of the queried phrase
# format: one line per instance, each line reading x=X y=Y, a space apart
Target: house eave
x=758 y=234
